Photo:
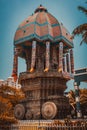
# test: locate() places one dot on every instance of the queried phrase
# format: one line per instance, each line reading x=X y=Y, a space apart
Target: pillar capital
x=61 y=45
x=48 y=42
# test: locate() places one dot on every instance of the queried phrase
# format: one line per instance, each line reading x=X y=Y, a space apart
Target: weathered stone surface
x=49 y=110
x=19 y=111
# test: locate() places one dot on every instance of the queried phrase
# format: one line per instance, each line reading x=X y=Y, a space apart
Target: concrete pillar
x=33 y=56
x=77 y=99
x=60 y=68
x=47 y=65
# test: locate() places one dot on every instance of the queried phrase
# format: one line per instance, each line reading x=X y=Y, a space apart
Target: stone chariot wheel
x=19 y=111
x=49 y=110
x=28 y=115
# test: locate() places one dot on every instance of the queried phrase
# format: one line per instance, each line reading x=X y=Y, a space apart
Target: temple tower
x=47 y=48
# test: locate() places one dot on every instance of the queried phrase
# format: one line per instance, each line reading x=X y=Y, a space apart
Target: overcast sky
x=13 y=12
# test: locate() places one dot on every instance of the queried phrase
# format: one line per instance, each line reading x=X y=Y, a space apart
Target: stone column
x=77 y=99
x=15 y=65
x=65 y=65
x=60 y=69
x=47 y=65
x=33 y=56
x=67 y=62
x=72 y=61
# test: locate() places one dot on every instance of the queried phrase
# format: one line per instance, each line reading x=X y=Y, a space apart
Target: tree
x=81 y=29
x=9 y=97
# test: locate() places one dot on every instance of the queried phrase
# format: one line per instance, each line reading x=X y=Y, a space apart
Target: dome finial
x=40 y=9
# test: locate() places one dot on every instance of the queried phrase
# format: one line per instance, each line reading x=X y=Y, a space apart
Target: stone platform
x=50 y=125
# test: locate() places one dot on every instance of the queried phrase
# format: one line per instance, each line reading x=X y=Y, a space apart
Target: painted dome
x=42 y=26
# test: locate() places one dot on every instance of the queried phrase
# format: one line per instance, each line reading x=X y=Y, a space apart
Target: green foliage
x=81 y=29
x=83 y=9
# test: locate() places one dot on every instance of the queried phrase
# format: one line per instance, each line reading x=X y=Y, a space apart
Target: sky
x=13 y=12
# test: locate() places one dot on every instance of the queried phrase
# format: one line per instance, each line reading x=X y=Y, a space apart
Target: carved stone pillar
x=60 y=69
x=47 y=65
x=69 y=62
x=72 y=61
x=64 y=63
x=15 y=65
x=33 y=56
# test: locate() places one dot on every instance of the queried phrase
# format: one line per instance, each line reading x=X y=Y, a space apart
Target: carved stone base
x=44 y=95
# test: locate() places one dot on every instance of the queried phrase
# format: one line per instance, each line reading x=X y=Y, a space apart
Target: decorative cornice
x=41 y=38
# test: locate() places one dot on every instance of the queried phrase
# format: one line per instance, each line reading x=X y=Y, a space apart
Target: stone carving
x=19 y=111
x=49 y=110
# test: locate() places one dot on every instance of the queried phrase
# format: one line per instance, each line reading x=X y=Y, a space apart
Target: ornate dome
x=42 y=26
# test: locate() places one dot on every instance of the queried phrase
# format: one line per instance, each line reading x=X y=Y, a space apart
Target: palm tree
x=81 y=29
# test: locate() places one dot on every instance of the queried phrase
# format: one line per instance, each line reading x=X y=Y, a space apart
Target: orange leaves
x=11 y=93
x=9 y=96
x=83 y=97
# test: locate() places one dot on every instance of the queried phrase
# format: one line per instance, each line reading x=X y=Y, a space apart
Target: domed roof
x=41 y=26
